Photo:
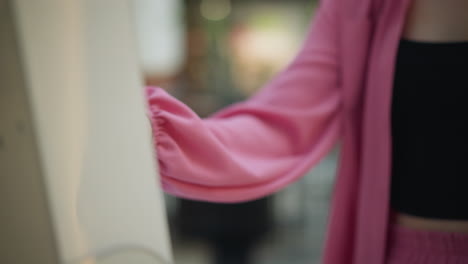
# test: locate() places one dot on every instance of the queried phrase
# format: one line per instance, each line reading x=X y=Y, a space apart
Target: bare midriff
x=421 y=223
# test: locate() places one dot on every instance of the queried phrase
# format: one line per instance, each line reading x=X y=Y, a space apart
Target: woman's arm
x=256 y=147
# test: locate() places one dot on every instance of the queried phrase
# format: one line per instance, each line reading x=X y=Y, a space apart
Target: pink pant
x=408 y=246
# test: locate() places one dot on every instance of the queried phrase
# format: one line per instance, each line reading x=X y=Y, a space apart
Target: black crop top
x=430 y=130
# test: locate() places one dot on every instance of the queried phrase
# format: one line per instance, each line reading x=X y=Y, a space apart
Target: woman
x=370 y=75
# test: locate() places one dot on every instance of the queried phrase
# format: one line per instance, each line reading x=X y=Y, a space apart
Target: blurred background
x=209 y=54
x=62 y=59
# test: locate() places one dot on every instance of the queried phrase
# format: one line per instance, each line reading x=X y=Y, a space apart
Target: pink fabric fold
x=338 y=87
x=256 y=147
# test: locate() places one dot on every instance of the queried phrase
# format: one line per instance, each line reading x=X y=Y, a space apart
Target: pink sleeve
x=256 y=147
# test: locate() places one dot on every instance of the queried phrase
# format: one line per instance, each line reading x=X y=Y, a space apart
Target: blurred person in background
x=384 y=78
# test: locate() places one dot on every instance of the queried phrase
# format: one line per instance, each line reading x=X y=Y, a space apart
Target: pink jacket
x=337 y=88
